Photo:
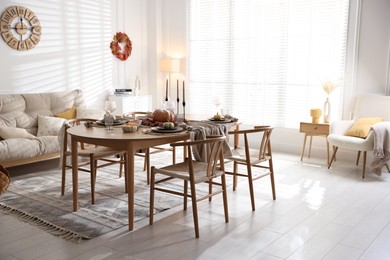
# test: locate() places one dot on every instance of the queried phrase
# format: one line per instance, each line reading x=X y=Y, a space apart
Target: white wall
x=74 y=49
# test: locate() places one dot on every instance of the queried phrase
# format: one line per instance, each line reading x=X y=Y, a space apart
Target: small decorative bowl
x=129 y=128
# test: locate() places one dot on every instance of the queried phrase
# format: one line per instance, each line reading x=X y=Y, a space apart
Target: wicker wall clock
x=20 y=28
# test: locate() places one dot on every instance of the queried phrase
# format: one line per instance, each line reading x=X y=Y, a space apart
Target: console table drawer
x=313 y=128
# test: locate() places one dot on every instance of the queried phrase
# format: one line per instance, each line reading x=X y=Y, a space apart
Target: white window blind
x=264 y=59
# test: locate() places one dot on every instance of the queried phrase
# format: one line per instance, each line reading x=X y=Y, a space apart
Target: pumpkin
x=162 y=115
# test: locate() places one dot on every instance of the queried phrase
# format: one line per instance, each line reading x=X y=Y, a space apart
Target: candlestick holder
x=184 y=110
x=178 y=105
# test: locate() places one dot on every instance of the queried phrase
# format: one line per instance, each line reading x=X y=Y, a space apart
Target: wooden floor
x=318 y=214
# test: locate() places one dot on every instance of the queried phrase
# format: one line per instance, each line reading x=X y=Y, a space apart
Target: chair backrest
x=265 y=144
x=215 y=152
x=264 y=140
x=370 y=105
x=70 y=123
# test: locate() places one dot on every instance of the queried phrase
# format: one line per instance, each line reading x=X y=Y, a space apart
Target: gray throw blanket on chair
x=381 y=146
x=199 y=132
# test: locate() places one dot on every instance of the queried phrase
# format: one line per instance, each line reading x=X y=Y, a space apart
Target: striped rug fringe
x=44 y=225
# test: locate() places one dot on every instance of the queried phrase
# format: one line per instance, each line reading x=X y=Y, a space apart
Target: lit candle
x=177 y=84
x=166 y=90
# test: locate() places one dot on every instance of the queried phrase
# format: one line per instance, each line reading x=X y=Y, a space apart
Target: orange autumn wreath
x=116 y=48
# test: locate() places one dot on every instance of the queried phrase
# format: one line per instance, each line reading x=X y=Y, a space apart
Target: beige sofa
x=28 y=128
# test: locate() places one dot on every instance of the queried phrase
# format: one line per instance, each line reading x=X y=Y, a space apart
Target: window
x=264 y=59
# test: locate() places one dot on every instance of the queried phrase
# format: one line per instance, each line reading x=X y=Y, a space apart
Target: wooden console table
x=314 y=129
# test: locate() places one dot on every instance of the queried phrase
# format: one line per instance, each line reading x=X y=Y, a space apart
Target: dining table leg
x=74 y=173
x=130 y=185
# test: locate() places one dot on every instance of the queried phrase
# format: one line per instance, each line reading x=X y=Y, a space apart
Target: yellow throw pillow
x=68 y=114
x=362 y=127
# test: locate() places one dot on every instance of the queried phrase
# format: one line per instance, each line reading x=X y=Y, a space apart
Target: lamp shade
x=170 y=65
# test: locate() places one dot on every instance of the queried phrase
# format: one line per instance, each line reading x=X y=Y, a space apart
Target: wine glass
x=217 y=102
x=109 y=118
x=109 y=106
x=170 y=106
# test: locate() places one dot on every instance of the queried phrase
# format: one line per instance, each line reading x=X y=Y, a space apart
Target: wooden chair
x=153 y=150
x=260 y=158
x=193 y=172
x=92 y=154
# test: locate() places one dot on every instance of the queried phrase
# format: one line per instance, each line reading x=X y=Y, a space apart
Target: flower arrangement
x=116 y=49
x=330 y=85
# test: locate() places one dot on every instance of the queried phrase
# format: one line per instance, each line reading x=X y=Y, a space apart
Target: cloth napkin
x=231 y=118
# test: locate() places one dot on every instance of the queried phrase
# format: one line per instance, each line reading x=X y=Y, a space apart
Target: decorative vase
x=315 y=114
x=137 y=86
x=327 y=110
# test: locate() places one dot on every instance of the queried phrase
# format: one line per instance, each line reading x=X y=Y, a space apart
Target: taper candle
x=177 y=96
x=184 y=99
x=166 y=90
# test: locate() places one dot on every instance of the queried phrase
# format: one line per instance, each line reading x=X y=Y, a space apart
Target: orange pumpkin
x=162 y=115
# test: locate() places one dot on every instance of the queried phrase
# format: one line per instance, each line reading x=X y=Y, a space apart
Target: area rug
x=36 y=199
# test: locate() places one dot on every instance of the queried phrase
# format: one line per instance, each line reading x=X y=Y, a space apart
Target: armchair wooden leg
x=364 y=163
x=333 y=156
x=358 y=157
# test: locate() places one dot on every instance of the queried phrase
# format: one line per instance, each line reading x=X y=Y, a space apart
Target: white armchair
x=367 y=106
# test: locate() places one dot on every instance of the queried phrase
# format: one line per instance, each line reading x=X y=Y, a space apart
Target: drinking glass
x=109 y=121
x=224 y=111
x=109 y=118
x=217 y=102
x=109 y=106
x=170 y=106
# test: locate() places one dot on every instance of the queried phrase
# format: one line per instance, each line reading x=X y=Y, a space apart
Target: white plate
x=223 y=120
x=159 y=129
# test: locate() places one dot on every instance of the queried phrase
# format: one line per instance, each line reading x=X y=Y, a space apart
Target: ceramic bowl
x=129 y=129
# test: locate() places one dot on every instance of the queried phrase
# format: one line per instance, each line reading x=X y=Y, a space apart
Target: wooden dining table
x=117 y=139
x=129 y=142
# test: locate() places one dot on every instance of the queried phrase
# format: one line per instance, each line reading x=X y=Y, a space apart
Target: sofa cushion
x=17 y=149
x=22 y=110
x=15 y=132
x=67 y=114
x=362 y=126
x=48 y=125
